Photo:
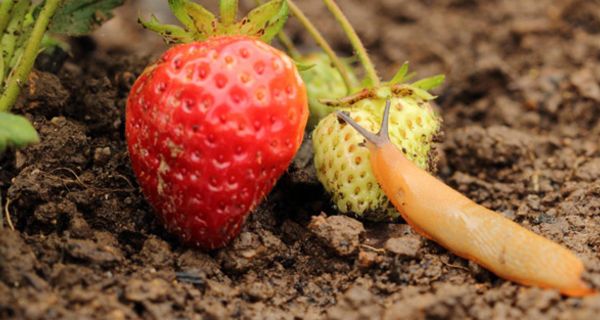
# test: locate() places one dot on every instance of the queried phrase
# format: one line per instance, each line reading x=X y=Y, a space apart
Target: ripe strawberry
x=322 y=80
x=210 y=127
x=342 y=162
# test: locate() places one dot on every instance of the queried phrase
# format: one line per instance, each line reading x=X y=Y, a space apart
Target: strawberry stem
x=228 y=9
x=288 y=44
x=320 y=40
x=355 y=40
x=26 y=61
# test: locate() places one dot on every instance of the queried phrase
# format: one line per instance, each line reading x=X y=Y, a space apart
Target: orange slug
x=442 y=214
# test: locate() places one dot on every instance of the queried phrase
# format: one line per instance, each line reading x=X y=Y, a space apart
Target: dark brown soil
x=522 y=120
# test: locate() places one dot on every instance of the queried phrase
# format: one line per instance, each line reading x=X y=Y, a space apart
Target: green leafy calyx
x=198 y=24
x=399 y=86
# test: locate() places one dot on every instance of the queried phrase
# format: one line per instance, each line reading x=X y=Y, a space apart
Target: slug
x=442 y=214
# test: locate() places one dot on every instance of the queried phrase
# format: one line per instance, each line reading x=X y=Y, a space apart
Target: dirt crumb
x=367 y=259
x=46 y=95
x=157 y=253
x=340 y=233
x=64 y=144
x=404 y=247
x=357 y=303
x=496 y=145
x=589 y=171
x=450 y=301
x=91 y=252
x=250 y=250
x=138 y=290
x=17 y=261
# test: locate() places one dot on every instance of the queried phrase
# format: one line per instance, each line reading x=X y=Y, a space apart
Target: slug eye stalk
x=382 y=137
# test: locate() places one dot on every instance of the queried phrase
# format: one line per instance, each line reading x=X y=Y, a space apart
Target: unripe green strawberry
x=342 y=162
x=343 y=168
x=413 y=125
x=322 y=80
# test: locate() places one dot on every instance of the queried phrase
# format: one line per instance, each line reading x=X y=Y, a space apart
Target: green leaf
x=198 y=21
x=366 y=82
x=400 y=75
x=16 y=132
x=301 y=66
x=80 y=17
x=178 y=9
x=228 y=10
x=266 y=20
x=171 y=33
x=50 y=43
x=430 y=83
x=423 y=94
x=205 y=22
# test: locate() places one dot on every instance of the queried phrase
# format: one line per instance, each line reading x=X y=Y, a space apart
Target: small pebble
x=406 y=247
x=340 y=233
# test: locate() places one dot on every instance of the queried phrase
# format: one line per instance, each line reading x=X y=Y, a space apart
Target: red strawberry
x=211 y=127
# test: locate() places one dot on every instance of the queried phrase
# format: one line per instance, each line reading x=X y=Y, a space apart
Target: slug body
x=469 y=230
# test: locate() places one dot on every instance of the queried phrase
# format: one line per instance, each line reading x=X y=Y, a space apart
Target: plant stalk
x=12 y=33
x=26 y=61
x=228 y=9
x=288 y=44
x=356 y=43
x=320 y=40
x=5 y=8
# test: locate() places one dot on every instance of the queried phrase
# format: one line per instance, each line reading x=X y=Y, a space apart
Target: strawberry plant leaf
x=400 y=76
x=302 y=66
x=170 y=33
x=423 y=94
x=409 y=76
x=80 y=17
x=196 y=19
x=204 y=21
x=430 y=83
x=178 y=9
x=266 y=20
x=16 y=132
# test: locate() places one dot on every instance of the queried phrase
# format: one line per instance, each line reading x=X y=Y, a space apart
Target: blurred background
x=435 y=35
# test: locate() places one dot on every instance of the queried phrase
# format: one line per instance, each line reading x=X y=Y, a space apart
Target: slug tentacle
x=382 y=137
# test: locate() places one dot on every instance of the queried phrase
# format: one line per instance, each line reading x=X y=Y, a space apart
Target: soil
x=521 y=109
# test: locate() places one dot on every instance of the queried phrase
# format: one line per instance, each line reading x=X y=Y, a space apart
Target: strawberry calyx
x=198 y=24
x=397 y=87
